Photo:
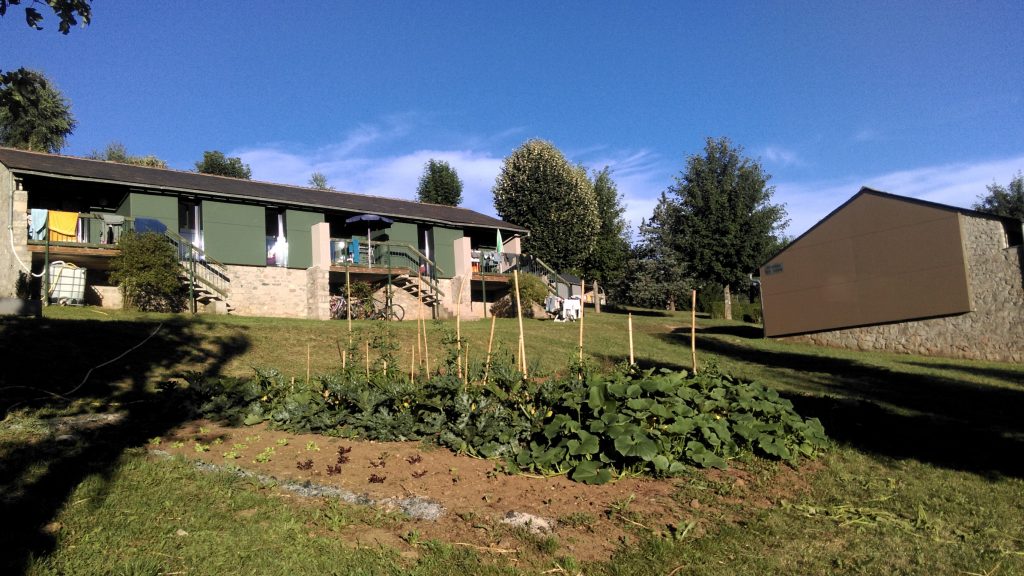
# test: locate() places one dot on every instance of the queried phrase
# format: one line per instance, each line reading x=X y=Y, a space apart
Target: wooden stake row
x=421 y=350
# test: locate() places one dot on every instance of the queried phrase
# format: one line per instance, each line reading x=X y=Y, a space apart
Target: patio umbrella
x=499 y=248
x=370 y=219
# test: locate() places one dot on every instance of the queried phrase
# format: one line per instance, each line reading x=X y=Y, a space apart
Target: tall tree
x=214 y=162
x=33 y=114
x=655 y=274
x=1004 y=200
x=319 y=181
x=726 y=221
x=67 y=10
x=607 y=262
x=117 y=152
x=539 y=190
x=440 y=184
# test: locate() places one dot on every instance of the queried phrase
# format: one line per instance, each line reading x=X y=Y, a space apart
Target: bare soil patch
x=591 y=522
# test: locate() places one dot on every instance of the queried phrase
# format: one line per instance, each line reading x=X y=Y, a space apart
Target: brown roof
x=180 y=181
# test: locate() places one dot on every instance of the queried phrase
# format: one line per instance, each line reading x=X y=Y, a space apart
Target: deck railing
x=95 y=230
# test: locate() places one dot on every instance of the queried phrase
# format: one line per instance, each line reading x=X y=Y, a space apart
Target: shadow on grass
x=942 y=419
x=36 y=478
x=1013 y=377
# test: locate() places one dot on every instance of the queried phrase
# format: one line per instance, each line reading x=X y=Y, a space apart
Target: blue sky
x=924 y=99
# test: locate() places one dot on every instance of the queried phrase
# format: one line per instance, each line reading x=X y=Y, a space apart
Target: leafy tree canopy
x=1004 y=200
x=117 y=152
x=33 y=114
x=440 y=184
x=726 y=223
x=319 y=181
x=607 y=262
x=214 y=162
x=539 y=190
x=69 y=11
x=655 y=274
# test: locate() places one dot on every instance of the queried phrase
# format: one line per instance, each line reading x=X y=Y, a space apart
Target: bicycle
x=386 y=311
x=369 y=308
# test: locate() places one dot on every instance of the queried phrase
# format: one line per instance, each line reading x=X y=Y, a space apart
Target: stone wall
x=269 y=291
x=13 y=221
x=318 y=293
x=993 y=330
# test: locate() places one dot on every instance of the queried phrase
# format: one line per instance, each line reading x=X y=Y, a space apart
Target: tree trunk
x=727 y=309
x=671 y=305
x=597 y=300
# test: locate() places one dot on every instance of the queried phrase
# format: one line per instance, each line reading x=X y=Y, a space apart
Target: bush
x=148 y=273
x=746 y=311
x=532 y=291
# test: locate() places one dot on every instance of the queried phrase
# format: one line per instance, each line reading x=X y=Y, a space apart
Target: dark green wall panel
x=162 y=208
x=300 y=237
x=235 y=233
x=444 y=250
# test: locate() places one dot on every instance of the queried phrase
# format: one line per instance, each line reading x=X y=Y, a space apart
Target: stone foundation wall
x=318 y=294
x=15 y=217
x=269 y=291
x=993 y=330
x=104 y=296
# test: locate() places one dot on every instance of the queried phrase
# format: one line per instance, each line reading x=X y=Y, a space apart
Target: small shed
x=888 y=272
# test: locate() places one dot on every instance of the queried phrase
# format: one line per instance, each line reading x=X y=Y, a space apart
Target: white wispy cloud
x=360 y=163
x=782 y=156
x=352 y=166
x=866 y=135
x=957 y=184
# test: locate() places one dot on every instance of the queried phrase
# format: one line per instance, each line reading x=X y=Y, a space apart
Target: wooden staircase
x=418 y=288
x=207 y=279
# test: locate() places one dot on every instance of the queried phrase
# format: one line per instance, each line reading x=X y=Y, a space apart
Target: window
x=277 y=241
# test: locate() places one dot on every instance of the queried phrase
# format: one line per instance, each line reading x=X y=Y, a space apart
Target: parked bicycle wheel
x=396 y=312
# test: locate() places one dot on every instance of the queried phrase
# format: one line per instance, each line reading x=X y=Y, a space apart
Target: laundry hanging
x=63 y=226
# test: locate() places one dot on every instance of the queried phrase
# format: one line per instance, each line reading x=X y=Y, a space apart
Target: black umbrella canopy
x=369 y=218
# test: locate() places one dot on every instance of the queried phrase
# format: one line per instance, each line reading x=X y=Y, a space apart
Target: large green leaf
x=586 y=444
x=590 y=472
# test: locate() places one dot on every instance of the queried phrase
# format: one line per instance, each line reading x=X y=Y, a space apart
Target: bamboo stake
x=631 y=361
x=582 y=288
x=519 y=315
x=693 y=330
x=307 y=363
x=458 y=328
x=465 y=377
x=426 y=349
x=367 y=359
x=419 y=314
x=343 y=360
x=490 y=341
x=348 y=304
x=385 y=369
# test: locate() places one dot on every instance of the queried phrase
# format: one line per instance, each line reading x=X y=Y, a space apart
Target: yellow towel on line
x=63 y=226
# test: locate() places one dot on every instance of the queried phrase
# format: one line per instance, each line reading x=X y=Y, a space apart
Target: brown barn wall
x=877 y=260
x=992 y=330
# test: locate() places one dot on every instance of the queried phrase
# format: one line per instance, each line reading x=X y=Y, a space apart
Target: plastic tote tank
x=67 y=283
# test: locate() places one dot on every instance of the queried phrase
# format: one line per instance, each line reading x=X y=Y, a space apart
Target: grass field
x=925 y=476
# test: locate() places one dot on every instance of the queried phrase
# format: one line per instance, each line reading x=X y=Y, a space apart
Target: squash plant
x=594 y=426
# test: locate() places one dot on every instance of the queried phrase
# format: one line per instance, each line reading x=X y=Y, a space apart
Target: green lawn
x=925 y=476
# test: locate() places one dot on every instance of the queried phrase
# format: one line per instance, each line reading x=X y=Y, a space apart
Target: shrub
x=148 y=273
x=532 y=291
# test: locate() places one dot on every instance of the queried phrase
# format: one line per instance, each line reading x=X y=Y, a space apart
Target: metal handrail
x=407 y=251
x=206 y=270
